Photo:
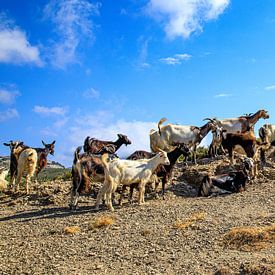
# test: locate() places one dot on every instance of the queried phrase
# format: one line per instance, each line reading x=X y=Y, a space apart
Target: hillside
x=183 y=234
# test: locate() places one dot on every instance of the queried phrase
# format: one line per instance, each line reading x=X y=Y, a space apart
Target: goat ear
x=6 y=144
x=53 y=142
x=43 y=143
x=119 y=135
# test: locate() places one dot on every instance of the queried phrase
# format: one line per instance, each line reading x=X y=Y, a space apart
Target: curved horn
x=210 y=119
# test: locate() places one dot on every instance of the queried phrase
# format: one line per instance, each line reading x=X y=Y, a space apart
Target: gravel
x=142 y=239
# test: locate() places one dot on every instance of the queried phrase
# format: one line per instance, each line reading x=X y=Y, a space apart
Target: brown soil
x=182 y=234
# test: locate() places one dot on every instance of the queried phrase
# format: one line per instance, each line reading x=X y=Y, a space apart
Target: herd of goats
x=99 y=162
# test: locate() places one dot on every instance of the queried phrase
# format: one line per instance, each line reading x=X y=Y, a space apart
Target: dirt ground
x=182 y=234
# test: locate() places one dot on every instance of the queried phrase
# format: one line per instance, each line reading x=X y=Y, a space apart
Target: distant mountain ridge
x=5 y=162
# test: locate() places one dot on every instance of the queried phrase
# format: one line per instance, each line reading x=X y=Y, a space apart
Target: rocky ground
x=182 y=234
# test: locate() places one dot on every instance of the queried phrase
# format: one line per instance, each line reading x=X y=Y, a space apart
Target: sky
x=76 y=68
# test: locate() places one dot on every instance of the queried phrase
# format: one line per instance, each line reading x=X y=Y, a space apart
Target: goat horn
x=210 y=119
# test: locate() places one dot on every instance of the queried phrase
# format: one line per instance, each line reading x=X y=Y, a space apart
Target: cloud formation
x=7 y=96
x=72 y=21
x=91 y=93
x=8 y=114
x=49 y=111
x=270 y=88
x=222 y=95
x=181 y=18
x=14 y=45
x=175 y=59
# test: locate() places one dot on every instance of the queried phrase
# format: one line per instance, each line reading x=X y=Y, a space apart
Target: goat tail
x=77 y=167
x=104 y=158
x=76 y=154
x=160 y=122
x=204 y=189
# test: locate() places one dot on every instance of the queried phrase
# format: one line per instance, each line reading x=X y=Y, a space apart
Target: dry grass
x=146 y=232
x=249 y=238
x=101 y=222
x=71 y=229
x=189 y=221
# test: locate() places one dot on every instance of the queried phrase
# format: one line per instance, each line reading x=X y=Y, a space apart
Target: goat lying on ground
x=232 y=182
x=85 y=167
x=27 y=162
x=163 y=172
x=127 y=172
x=93 y=146
x=171 y=134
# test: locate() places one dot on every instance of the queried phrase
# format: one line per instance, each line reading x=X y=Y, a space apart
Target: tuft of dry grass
x=101 y=222
x=71 y=229
x=146 y=232
x=189 y=221
x=249 y=238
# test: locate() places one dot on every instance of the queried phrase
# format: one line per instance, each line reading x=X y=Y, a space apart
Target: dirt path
x=179 y=235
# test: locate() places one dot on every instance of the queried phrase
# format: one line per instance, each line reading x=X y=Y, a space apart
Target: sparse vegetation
x=71 y=229
x=189 y=221
x=249 y=238
x=101 y=222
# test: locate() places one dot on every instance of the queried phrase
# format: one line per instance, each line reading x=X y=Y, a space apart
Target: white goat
x=127 y=172
x=3 y=182
x=172 y=134
x=241 y=124
x=27 y=162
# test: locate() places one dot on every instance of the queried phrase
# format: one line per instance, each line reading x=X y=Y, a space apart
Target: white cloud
x=8 y=96
x=142 y=62
x=183 y=17
x=49 y=111
x=175 y=59
x=222 y=95
x=8 y=114
x=72 y=23
x=101 y=125
x=270 y=88
x=14 y=45
x=91 y=93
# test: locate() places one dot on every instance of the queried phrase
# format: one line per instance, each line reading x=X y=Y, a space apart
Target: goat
x=216 y=143
x=127 y=172
x=3 y=181
x=267 y=135
x=171 y=134
x=87 y=166
x=27 y=162
x=16 y=147
x=93 y=146
x=241 y=124
x=232 y=182
x=42 y=154
x=246 y=140
x=162 y=171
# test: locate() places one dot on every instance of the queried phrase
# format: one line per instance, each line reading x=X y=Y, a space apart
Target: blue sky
x=72 y=68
